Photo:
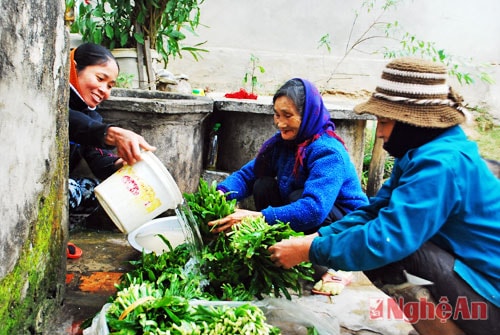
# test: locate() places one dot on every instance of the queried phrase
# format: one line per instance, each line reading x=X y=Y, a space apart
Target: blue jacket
x=442 y=192
x=327 y=177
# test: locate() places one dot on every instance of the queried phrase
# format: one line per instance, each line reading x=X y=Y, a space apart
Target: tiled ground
x=90 y=282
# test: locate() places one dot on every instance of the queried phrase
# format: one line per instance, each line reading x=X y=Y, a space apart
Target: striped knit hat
x=414 y=91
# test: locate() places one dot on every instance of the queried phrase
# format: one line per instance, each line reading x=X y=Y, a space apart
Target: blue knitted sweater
x=327 y=177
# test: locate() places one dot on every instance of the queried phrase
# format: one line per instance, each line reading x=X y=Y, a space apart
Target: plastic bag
x=99 y=324
x=291 y=317
x=294 y=318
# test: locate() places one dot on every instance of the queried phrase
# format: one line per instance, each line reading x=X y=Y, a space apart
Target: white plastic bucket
x=137 y=193
x=145 y=237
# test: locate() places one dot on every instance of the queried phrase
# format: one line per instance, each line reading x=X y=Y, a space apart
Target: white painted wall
x=284 y=34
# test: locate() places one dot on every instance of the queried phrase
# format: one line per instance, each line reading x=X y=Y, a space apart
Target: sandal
x=332 y=282
x=72 y=251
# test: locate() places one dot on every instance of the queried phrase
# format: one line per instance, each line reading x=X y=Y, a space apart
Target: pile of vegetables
x=142 y=309
x=238 y=265
x=165 y=293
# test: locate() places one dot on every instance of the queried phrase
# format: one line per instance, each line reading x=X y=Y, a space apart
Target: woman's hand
x=119 y=163
x=225 y=223
x=291 y=252
x=128 y=144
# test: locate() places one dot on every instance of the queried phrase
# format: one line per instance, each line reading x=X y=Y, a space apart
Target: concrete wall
x=173 y=123
x=33 y=173
x=284 y=35
x=245 y=126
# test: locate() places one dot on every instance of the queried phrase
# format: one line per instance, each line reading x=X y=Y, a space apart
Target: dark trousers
x=266 y=193
x=436 y=265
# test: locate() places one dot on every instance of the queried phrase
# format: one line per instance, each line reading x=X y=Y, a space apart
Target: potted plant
x=158 y=24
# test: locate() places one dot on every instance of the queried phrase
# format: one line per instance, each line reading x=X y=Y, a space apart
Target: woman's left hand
x=225 y=223
x=119 y=163
x=291 y=252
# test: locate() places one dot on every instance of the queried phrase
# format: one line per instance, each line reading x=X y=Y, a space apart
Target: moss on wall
x=35 y=287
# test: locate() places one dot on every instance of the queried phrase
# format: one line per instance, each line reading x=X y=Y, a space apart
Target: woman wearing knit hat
x=93 y=72
x=436 y=218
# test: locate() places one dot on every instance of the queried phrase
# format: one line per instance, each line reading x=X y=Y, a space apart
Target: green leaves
x=466 y=71
x=250 y=74
x=157 y=296
x=242 y=257
x=126 y=23
x=207 y=204
x=243 y=319
x=144 y=308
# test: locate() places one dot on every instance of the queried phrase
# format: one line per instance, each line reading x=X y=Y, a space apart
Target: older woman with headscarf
x=303 y=175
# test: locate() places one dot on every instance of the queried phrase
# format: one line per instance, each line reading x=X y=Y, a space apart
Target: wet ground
x=90 y=279
x=90 y=282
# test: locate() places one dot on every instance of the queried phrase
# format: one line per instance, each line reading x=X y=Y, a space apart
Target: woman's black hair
x=294 y=89
x=89 y=54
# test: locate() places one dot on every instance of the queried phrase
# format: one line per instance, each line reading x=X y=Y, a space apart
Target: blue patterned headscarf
x=315 y=122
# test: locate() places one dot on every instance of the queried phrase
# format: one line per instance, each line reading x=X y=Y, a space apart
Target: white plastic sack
x=99 y=325
x=294 y=318
x=282 y=313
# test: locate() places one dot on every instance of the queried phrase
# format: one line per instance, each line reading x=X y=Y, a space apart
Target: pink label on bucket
x=144 y=194
x=130 y=185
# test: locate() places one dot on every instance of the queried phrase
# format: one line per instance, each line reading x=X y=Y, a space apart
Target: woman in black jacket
x=93 y=73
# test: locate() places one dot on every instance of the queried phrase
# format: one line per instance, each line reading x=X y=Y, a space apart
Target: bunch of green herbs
x=143 y=309
x=241 y=258
x=208 y=204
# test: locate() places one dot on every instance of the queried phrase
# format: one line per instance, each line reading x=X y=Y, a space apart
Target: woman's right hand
x=290 y=252
x=227 y=222
x=128 y=144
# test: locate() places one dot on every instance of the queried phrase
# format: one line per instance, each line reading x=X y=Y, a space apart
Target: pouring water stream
x=189 y=227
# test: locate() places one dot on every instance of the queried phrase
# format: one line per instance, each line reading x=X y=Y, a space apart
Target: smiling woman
x=93 y=73
x=287 y=118
x=94 y=83
x=303 y=174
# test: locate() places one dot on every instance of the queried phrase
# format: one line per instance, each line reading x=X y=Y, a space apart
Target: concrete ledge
x=246 y=124
x=339 y=110
x=170 y=121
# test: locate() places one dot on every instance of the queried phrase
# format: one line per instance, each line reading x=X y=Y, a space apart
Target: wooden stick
x=149 y=65
x=376 y=170
x=140 y=60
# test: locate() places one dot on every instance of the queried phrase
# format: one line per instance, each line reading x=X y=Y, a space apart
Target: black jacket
x=86 y=135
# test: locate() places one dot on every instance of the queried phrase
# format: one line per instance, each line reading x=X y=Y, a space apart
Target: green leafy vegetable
x=207 y=204
x=155 y=298
x=142 y=309
x=242 y=257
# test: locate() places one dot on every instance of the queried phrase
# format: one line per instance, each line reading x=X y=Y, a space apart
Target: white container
x=137 y=193
x=145 y=237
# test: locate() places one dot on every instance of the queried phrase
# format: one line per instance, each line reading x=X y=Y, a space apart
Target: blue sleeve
x=421 y=199
x=239 y=183
x=361 y=215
